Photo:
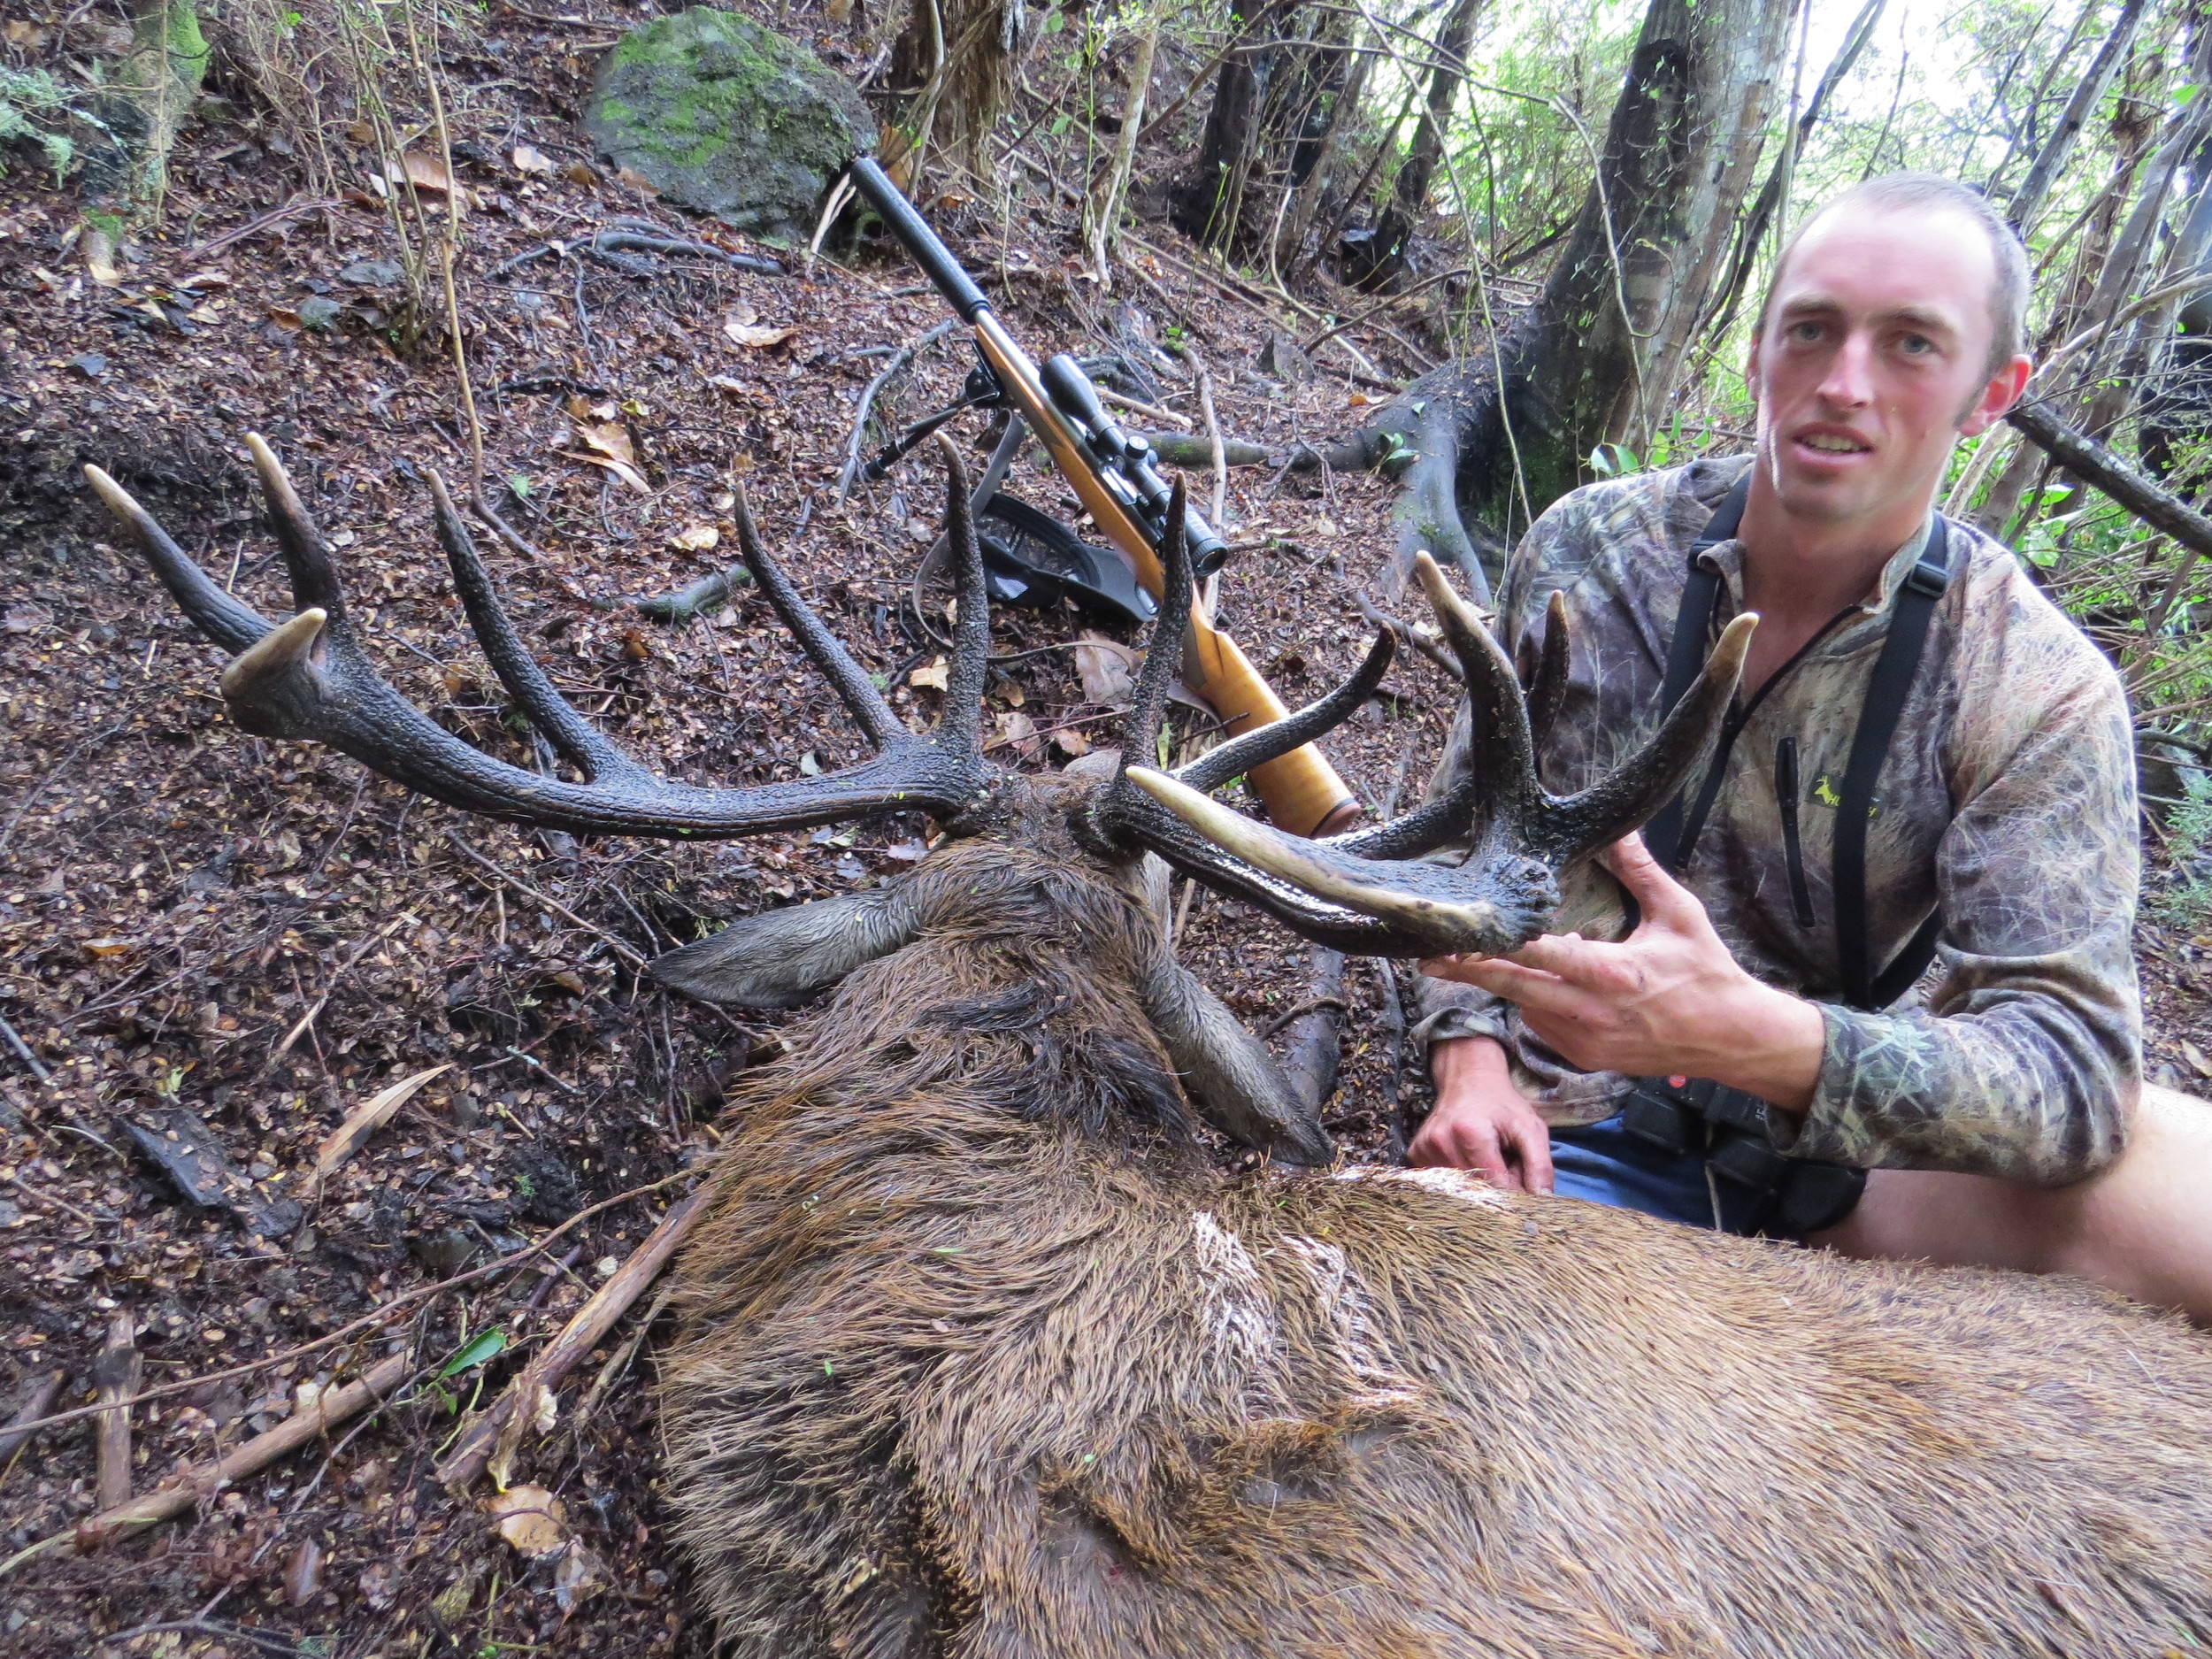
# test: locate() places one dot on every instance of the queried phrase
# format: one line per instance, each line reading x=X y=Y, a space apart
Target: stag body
x=983 y=1357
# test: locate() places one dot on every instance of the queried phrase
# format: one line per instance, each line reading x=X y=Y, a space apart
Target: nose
x=1849 y=383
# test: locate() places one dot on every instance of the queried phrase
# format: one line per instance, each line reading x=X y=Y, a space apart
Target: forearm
x=1763 y=1041
x=2023 y=1087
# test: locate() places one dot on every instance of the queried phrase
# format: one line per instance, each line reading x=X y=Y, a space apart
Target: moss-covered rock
x=719 y=114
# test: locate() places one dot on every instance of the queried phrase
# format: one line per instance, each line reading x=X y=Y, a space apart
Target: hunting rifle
x=1114 y=476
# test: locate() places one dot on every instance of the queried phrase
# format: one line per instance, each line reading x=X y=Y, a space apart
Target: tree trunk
x=1754 y=229
x=2027 y=201
x=1594 y=359
x=1382 y=255
x=1207 y=204
x=152 y=93
x=1102 y=209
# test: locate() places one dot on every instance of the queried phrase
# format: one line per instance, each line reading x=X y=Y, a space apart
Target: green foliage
x=2188 y=904
x=35 y=108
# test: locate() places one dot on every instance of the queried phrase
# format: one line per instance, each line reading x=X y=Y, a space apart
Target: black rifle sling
x=1885 y=694
x=1685 y=656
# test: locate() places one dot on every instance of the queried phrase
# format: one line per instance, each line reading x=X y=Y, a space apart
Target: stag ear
x=1230 y=1075
x=784 y=958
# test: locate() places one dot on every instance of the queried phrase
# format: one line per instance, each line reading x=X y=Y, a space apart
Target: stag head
x=1477 y=868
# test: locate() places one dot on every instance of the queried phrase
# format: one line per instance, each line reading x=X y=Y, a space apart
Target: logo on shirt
x=1827 y=791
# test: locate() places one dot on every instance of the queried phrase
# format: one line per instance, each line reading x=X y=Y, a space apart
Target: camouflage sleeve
x=2027 y=1060
x=1444 y=1009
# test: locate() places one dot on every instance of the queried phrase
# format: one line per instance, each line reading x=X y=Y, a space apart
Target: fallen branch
x=1419 y=638
x=1137 y=406
x=1354 y=322
x=497 y=1436
x=2092 y=463
x=616 y=241
x=332 y=1406
x=1181 y=449
x=550 y=903
x=849 y=473
x=116 y=1374
x=23 y=1053
x=689 y=601
x=376 y=1315
x=37 y=1396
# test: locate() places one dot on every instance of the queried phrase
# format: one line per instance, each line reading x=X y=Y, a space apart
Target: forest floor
x=199 y=926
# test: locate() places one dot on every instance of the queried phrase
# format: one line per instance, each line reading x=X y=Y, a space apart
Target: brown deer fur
x=984 y=1357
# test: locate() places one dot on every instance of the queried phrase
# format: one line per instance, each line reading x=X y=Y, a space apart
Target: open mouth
x=1833 y=444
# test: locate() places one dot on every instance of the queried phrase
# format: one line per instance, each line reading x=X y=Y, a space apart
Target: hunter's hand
x=1668 y=1000
x=1481 y=1121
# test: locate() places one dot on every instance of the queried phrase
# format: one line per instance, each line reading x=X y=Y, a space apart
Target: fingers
x=1528 y=1140
x=1531 y=987
x=1448 y=1141
x=1659 y=895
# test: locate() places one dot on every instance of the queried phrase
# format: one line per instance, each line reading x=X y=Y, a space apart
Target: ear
x=2002 y=392
x=1231 y=1078
x=782 y=958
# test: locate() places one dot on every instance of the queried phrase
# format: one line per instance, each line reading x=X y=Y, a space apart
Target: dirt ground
x=201 y=927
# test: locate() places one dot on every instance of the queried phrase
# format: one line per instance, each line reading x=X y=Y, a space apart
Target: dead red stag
x=984 y=1357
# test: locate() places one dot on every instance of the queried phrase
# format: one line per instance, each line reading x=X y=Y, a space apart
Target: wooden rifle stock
x=1301 y=792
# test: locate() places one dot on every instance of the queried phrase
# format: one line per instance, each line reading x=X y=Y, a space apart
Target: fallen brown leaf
x=366 y=1118
x=759 y=337
x=530 y=1518
x=1108 y=669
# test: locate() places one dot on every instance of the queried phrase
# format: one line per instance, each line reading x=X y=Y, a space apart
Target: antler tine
x=580 y=743
x=1547 y=686
x=1500 y=751
x=315 y=583
x=960 y=725
x=854 y=688
x=309 y=678
x=1256 y=748
x=1164 y=650
x=1564 y=831
x=229 y=622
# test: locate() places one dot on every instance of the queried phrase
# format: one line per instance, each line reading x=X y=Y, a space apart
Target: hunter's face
x=1874 y=361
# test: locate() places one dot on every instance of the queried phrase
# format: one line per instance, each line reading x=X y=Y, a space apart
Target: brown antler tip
x=275 y=657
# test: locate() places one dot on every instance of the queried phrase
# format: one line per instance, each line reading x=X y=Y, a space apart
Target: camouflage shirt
x=2008 y=802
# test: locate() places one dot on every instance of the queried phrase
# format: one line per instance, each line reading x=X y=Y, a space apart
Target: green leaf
x=488 y=1345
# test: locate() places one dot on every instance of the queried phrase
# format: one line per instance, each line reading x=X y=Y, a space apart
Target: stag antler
x=1369 y=891
x=309 y=677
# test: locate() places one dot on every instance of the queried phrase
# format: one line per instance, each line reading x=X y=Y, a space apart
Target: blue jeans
x=1604 y=1163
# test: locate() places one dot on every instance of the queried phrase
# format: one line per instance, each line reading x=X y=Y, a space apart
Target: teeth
x=1834 y=446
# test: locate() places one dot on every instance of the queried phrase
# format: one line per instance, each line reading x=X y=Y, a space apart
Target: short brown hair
x=1896 y=191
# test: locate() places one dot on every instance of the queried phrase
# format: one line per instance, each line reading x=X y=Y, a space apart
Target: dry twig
x=332 y=1407
x=497 y=1436
x=37 y=1396
x=116 y=1375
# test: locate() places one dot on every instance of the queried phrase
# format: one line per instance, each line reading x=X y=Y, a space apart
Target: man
x=2005 y=805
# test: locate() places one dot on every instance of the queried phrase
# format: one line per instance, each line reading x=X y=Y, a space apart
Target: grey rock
x=1284 y=359
x=722 y=116
x=320 y=314
x=373 y=273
